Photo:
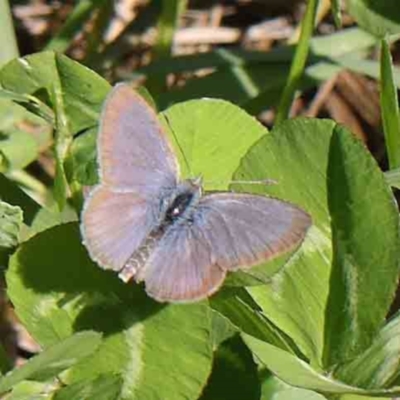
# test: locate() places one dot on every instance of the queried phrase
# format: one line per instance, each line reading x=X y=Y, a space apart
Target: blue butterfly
x=147 y=224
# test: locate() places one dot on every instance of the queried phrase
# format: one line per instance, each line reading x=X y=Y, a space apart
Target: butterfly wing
x=133 y=150
x=136 y=165
x=181 y=267
x=114 y=224
x=246 y=230
x=226 y=231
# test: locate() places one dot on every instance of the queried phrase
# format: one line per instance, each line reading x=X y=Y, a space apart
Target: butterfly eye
x=178 y=206
x=176 y=211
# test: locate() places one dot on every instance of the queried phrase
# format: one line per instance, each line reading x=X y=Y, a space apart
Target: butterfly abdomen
x=175 y=208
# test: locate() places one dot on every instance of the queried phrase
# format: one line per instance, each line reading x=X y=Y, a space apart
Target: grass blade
x=167 y=25
x=299 y=61
x=390 y=108
x=337 y=15
x=8 y=41
x=73 y=25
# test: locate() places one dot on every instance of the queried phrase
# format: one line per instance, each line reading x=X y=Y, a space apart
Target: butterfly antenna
x=256 y=182
x=178 y=144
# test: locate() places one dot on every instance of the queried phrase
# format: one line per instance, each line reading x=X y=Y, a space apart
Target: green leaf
x=57 y=290
x=12 y=194
x=74 y=92
x=221 y=329
x=379 y=364
x=84 y=159
x=292 y=370
x=79 y=91
x=30 y=390
x=233 y=363
x=393 y=178
x=366 y=237
x=247 y=317
x=22 y=134
x=46 y=218
x=202 y=132
x=35 y=217
x=273 y=388
x=17 y=150
x=105 y=387
x=297 y=394
x=53 y=360
x=390 y=107
x=31 y=103
x=10 y=225
x=297 y=373
x=376 y=16
x=295 y=155
x=306 y=148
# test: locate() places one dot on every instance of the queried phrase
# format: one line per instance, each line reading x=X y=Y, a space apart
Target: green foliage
x=376 y=16
x=8 y=41
x=299 y=61
x=390 y=107
x=233 y=362
x=255 y=80
x=73 y=91
x=311 y=324
x=58 y=290
x=53 y=360
x=73 y=25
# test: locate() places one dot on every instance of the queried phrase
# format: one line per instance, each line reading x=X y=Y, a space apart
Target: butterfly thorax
x=177 y=206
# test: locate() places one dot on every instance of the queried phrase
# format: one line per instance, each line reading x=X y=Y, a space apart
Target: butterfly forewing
x=133 y=150
x=136 y=166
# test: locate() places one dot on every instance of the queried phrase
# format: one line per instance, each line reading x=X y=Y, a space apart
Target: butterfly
x=143 y=221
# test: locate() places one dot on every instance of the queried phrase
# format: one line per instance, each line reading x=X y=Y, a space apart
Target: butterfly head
x=178 y=205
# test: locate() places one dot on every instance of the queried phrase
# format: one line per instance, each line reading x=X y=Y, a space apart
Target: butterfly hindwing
x=181 y=267
x=114 y=224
